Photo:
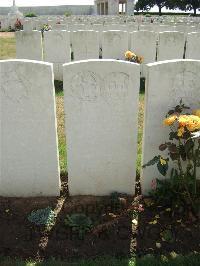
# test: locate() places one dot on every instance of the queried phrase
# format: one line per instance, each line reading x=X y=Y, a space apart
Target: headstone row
x=59 y=47
x=101 y=121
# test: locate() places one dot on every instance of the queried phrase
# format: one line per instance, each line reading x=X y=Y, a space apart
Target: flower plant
x=132 y=57
x=183 y=148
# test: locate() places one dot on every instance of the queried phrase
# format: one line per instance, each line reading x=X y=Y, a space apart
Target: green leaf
x=162 y=168
x=197 y=157
x=173 y=135
x=152 y=162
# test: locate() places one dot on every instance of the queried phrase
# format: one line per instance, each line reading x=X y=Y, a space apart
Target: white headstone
x=29 y=45
x=114 y=44
x=29 y=163
x=101 y=106
x=170 y=45
x=167 y=83
x=28 y=25
x=85 y=45
x=193 y=46
x=57 y=50
x=143 y=43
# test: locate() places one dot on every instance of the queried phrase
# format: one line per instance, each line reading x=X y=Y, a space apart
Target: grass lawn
x=7 y=48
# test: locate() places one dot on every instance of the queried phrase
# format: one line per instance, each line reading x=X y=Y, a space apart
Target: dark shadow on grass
x=58 y=87
x=142 y=85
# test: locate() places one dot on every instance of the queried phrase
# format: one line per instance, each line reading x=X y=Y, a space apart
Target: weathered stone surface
x=85 y=45
x=170 y=45
x=193 y=46
x=29 y=45
x=114 y=44
x=57 y=50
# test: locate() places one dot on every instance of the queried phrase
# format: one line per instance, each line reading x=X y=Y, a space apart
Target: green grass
x=148 y=260
x=7 y=48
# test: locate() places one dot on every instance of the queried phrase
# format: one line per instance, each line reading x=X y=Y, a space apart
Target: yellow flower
x=129 y=55
x=192 y=122
x=170 y=120
x=196 y=112
x=162 y=161
x=183 y=120
x=181 y=130
x=139 y=59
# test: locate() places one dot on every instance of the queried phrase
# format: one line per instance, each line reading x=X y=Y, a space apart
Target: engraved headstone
x=171 y=45
x=57 y=50
x=29 y=163
x=139 y=41
x=85 y=45
x=29 y=45
x=101 y=106
x=114 y=44
x=193 y=46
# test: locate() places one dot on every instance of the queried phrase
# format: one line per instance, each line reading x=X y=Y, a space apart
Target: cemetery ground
x=116 y=232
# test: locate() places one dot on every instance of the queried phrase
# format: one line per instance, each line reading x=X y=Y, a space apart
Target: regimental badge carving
x=116 y=85
x=86 y=86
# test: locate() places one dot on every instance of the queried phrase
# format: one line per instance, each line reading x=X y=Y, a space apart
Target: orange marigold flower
x=170 y=120
x=129 y=55
x=192 y=122
x=183 y=120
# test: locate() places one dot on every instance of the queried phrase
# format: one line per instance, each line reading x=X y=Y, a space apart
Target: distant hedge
x=30 y=15
x=165 y=14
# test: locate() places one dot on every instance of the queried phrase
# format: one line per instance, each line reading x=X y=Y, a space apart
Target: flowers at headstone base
x=46 y=27
x=182 y=152
x=18 y=25
x=132 y=57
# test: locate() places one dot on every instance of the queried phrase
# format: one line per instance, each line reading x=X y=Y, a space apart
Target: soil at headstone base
x=114 y=230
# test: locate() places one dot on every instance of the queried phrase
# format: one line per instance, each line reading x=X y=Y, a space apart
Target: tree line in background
x=146 y=5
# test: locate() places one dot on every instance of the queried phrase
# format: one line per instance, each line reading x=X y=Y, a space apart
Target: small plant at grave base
x=45 y=217
x=180 y=190
x=80 y=223
x=167 y=236
x=132 y=57
x=18 y=25
x=46 y=27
